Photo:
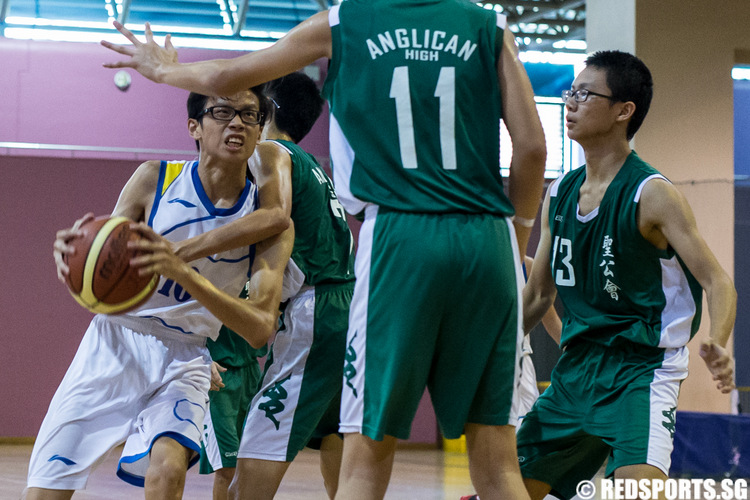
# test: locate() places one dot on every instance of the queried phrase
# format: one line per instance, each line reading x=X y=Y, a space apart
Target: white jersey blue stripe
x=181 y=210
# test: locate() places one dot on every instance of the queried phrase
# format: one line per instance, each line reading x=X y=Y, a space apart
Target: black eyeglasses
x=227 y=114
x=581 y=95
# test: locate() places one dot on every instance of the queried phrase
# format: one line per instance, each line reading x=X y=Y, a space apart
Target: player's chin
x=235 y=154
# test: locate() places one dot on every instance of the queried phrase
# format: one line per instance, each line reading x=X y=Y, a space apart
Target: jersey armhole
x=638 y=191
x=334 y=22
x=555 y=186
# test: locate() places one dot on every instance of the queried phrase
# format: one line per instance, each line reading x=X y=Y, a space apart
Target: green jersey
x=404 y=85
x=323 y=244
x=613 y=283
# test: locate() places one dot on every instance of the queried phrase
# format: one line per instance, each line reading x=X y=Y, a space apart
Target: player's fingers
x=725 y=387
x=149 y=34
x=126 y=50
x=724 y=371
x=145 y=230
x=147 y=270
x=62 y=270
x=168 y=42
x=60 y=245
x=58 y=256
x=720 y=363
x=83 y=220
x=65 y=235
x=120 y=64
x=126 y=32
x=142 y=260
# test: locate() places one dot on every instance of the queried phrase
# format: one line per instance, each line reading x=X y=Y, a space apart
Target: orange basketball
x=100 y=277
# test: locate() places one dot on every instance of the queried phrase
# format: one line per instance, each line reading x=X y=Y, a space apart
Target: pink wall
x=58 y=94
x=41 y=324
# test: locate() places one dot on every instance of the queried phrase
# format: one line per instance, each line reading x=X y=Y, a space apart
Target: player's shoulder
x=270 y=156
x=564 y=178
x=147 y=172
x=273 y=148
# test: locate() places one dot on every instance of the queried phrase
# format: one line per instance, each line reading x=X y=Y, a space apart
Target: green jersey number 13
x=445 y=91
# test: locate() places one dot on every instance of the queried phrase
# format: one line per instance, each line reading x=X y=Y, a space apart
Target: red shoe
x=470 y=497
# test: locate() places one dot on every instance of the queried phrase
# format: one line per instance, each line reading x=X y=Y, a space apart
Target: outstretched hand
x=719 y=363
x=147 y=58
x=61 y=247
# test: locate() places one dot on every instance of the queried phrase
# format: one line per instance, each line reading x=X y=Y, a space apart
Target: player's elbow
x=223 y=80
x=279 y=221
x=263 y=327
x=532 y=154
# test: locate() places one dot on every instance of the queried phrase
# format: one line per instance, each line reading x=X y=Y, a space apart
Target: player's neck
x=604 y=161
x=222 y=185
x=270 y=132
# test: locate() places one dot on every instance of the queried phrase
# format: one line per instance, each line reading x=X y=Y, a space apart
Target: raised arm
x=272 y=169
x=305 y=43
x=667 y=219
x=526 y=180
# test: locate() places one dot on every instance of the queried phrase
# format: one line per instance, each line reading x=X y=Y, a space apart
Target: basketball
x=100 y=277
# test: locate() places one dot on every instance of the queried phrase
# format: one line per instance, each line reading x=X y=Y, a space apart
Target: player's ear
x=627 y=109
x=194 y=128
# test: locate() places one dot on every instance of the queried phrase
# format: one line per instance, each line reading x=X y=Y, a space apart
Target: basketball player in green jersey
x=619 y=244
x=300 y=393
x=235 y=375
x=416 y=90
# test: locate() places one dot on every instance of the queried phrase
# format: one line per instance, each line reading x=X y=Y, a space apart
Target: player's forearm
x=254 y=324
x=246 y=231
x=722 y=308
x=525 y=186
x=200 y=76
x=305 y=43
x=526 y=180
x=535 y=306
x=553 y=324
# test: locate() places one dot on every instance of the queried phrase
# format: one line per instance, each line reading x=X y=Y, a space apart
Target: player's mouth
x=235 y=142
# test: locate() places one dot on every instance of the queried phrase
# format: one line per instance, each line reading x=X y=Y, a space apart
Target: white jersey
x=182 y=210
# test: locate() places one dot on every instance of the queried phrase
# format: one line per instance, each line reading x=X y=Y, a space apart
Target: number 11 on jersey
x=445 y=91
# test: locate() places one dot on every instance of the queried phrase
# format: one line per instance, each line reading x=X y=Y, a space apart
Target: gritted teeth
x=235 y=141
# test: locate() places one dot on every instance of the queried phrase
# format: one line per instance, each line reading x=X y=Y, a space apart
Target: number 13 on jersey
x=563 y=248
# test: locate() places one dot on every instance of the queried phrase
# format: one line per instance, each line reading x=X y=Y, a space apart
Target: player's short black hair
x=629 y=80
x=296 y=104
x=196 y=103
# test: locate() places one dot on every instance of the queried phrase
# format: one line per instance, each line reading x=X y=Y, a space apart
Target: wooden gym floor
x=427 y=474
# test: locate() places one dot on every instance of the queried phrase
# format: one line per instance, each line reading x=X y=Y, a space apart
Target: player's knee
x=172 y=471
x=166 y=473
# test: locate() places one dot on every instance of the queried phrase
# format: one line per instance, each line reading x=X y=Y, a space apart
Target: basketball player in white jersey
x=142 y=378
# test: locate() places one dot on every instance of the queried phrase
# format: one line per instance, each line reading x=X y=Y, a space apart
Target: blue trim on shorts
x=140 y=480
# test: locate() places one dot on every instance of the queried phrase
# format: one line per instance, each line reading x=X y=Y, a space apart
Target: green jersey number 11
x=445 y=91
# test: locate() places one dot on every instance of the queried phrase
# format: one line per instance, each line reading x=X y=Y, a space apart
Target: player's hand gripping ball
x=100 y=276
